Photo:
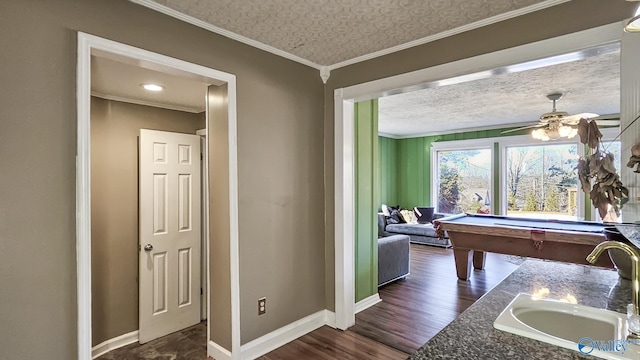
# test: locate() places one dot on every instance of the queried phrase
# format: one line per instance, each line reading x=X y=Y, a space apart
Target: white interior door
x=170 y=203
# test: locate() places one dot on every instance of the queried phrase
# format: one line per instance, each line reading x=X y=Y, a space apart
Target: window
x=463 y=181
x=541 y=181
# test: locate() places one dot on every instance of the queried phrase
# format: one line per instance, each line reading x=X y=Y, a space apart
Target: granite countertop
x=472 y=336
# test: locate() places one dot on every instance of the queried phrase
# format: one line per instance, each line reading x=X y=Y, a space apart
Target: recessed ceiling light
x=153 y=87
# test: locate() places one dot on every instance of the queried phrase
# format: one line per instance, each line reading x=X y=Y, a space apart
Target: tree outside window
x=464 y=181
x=541 y=181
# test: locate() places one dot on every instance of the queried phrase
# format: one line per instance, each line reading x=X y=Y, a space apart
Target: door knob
x=148 y=247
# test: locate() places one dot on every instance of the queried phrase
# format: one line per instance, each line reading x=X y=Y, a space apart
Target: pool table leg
x=463 y=263
x=478 y=259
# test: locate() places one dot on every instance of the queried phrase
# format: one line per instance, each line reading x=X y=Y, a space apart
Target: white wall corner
x=325 y=72
x=367 y=302
x=115 y=343
x=217 y=352
x=282 y=336
x=330 y=318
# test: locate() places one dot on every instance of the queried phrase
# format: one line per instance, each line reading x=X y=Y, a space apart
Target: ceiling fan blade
x=573 y=119
x=522 y=128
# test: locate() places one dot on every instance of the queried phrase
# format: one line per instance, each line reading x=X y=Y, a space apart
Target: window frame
x=527 y=140
x=459 y=145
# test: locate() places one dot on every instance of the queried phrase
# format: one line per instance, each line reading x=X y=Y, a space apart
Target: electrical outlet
x=262 y=305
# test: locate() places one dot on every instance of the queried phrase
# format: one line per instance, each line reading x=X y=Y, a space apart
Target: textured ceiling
x=590 y=85
x=327 y=32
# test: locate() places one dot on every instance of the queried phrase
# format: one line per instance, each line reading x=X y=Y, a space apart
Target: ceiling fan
x=556 y=124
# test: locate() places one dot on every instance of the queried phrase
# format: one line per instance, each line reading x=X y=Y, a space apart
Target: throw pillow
x=394 y=218
x=397 y=208
x=424 y=214
x=385 y=210
x=408 y=216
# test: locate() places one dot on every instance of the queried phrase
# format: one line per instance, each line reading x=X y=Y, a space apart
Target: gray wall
x=558 y=20
x=280 y=168
x=219 y=229
x=115 y=127
x=285 y=176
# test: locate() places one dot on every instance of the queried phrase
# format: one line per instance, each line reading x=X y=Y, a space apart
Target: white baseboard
x=250 y=350
x=217 y=352
x=330 y=318
x=284 y=335
x=115 y=343
x=367 y=302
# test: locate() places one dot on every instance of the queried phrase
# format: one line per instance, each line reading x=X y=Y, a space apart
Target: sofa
x=393 y=258
x=418 y=233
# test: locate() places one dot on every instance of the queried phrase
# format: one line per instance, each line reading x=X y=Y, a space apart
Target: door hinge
x=201 y=157
x=201 y=291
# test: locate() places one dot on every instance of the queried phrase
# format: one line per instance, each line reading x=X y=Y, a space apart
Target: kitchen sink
x=597 y=332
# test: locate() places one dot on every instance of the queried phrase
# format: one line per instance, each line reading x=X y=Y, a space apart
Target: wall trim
x=226 y=33
x=344 y=99
x=217 y=352
x=455 y=31
x=283 y=335
x=146 y=103
x=326 y=69
x=115 y=343
x=368 y=302
x=88 y=44
x=330 y=318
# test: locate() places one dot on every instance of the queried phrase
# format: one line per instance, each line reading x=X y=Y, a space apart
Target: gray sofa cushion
x=412 y=229
x=393 y=258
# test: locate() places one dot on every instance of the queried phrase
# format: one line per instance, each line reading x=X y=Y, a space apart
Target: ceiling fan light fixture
x=152 y=87
x=567 y=131
x=540 y=134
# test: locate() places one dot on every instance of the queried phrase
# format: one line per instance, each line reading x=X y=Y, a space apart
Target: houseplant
x=597 y=173
x=599 y=179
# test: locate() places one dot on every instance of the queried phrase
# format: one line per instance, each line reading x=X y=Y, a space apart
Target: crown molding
x=188 y=109
x=455 y=31
x=326 y=69
x=226 y=33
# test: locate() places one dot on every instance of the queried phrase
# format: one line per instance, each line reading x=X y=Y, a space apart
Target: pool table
x=473 y=235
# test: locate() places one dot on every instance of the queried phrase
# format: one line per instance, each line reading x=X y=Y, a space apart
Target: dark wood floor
x=328 y=343
x=411 y=312
x=414 y=310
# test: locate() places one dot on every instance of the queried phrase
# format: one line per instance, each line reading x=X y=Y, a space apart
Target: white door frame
x=92 y=45
x=457 y=71
x=205 y=222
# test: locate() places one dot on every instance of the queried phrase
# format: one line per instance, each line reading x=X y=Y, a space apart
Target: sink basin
x=597 y=332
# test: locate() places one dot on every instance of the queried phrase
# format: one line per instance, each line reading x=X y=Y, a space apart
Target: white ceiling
x=116 y=80
x=336 y=32
x=589 y=85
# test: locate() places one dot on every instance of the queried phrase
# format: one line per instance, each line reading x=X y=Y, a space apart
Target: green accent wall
x=388 y=171
x=413 y=176
x=366 y=198
x=414 y=172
